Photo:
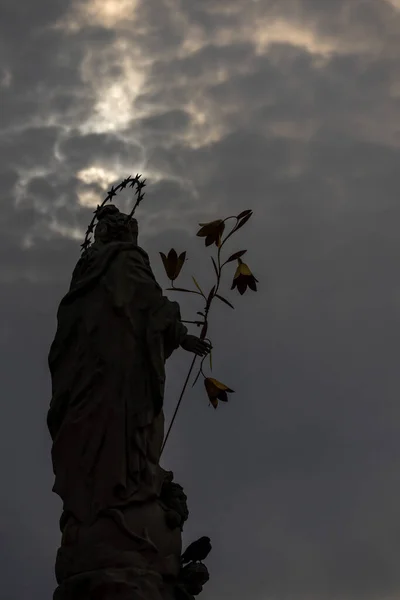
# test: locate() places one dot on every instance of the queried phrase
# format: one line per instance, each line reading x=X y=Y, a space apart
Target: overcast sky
x=291 y=108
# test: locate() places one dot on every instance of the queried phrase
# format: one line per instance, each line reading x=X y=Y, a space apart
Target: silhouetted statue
x=121 y=533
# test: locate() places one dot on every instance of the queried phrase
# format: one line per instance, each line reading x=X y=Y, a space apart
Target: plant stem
x=194 y=322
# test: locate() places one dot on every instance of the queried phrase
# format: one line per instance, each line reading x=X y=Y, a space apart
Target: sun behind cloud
x=102 y=13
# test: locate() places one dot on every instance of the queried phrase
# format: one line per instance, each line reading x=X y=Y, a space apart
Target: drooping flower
x=216 y=391
x=244 y=278
x=173 y=263
x=212 y=232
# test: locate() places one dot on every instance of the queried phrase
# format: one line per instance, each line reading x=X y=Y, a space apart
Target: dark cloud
x=30 y=148
x=81 y=151
x=290 y=109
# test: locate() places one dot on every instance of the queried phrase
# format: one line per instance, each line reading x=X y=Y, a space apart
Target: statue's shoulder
x=129 y=260
x=134 y=254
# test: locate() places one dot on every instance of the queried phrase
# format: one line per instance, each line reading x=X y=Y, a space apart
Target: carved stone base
x=127 y=554
x=115 y=584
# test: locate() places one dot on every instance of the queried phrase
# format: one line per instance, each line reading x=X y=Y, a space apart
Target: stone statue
x=122 y=513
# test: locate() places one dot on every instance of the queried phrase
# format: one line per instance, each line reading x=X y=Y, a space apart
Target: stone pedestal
x=128 y=553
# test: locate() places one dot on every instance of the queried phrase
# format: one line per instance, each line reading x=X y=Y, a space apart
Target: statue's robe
x=107 y=362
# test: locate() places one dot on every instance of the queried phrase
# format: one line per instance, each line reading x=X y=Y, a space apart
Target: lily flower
x=244 y=278
x=216 y=391
x=212 y=232
x=173 y=263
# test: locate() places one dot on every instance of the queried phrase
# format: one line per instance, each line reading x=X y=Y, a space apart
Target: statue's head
x=113 y=226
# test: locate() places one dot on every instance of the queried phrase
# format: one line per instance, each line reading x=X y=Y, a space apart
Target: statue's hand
x=192 y=343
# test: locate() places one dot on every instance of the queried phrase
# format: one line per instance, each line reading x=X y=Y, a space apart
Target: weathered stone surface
x=174 y=500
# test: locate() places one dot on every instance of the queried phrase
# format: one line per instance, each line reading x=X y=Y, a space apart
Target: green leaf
x=210 y=295
x=197 y=285
x=215 y=266
x=175 y=289
x=224 y=300
x=244 y=214
x=236 y=255
x=243 y=221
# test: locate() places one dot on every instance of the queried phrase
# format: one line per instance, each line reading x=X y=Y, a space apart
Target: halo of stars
x=128 y=181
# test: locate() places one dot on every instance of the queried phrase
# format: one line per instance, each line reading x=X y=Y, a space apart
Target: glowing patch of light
x=103 y=13
x=116 y=77
x=280 y=31
x=89 y=198
x=108 y=13
x=99 y=175
x=194 y=41
x=71 y=232
x=205 y=127
x=113 y=109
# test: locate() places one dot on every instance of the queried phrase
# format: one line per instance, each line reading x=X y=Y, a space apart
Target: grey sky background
x=290 y=108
